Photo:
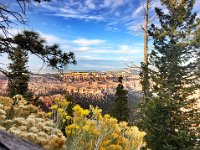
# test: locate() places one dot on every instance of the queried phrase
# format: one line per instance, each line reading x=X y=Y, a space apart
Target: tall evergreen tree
x=144 y=81
x=168 y=114
x=197 y=41
x=120 y=108
x=18 y=72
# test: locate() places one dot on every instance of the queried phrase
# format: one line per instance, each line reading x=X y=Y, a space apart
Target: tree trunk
x=146 y=17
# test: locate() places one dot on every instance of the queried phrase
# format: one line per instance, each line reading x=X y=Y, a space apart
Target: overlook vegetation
x=168 y=115
x=83 y=129
x=168 y=108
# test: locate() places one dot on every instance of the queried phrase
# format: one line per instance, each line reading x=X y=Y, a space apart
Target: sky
x=105 y=35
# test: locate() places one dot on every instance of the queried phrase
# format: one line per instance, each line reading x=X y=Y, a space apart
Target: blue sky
x=103 y=34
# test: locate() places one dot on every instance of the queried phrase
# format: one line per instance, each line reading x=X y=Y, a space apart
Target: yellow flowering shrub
x=58 y=112
x=26 y=121
x=85 y=129
x=90 y=130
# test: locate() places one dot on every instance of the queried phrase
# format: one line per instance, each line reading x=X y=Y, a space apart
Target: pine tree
x=168 y=114
x=197 y=41
x=18 y=75
x=25 y=43
x=144 y=81
x=119 y=107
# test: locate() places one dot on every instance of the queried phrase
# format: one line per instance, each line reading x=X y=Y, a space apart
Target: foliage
x=31 y=42
x=144 y=76
x=60 y=111
x=89 y=129
x=84 y=129
x=119 y=108
x=197 y=39
x=38 y=130
x=18 y=74
x=17 y=107
x=85 y=100
x=169 y=112
x=25 y=121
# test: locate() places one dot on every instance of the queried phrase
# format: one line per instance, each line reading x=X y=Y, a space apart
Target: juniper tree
x=119 y=108
x=168 y=114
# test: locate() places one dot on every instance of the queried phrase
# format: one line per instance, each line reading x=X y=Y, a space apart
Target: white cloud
x=78 y=16
x=101 y=66
x=83 y=49
x=50 y=38
x=91 y=49
x=137 y=11
x=196 y=6
x=90 y=58
x=99 y=58
x=122 y=49
x=105 y=10
x=130 y=58
x=87 y=42
x=198 y=15
x=73 y=9
x=112 y=3
x=118 y=3
x=12 y=31
x=107 y=3
x=108 y=11
x=64 y=44
x=90 y=4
